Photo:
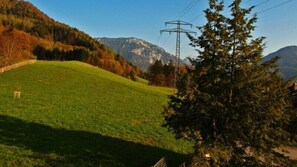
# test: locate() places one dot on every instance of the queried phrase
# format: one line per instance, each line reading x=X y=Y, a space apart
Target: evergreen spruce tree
x=233 y=107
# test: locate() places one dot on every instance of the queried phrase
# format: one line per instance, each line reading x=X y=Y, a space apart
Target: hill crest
x=287 y=64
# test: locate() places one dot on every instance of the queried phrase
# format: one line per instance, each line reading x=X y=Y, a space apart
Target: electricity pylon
x=178 y=30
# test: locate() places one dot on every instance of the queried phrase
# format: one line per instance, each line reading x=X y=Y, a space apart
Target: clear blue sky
x=145 y=18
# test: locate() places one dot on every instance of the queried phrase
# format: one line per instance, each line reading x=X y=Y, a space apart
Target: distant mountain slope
x=137 y=51
x=287 y=63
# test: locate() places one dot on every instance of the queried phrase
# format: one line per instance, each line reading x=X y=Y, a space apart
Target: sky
x=145 y=18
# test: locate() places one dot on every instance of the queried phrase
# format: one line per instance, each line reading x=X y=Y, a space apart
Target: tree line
x=115 y=64
x=162 y=74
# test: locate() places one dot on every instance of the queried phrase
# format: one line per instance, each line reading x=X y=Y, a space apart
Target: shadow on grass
x=79 y=148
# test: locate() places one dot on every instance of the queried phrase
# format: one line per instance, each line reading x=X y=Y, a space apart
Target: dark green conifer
x=233 y=107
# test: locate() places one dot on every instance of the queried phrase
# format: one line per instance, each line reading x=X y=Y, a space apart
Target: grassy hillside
x=73 y=114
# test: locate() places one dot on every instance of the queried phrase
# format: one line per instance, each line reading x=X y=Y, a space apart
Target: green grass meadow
x=74 y=114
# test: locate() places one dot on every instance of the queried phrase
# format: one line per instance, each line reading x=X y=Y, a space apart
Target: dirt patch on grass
x=135 y=122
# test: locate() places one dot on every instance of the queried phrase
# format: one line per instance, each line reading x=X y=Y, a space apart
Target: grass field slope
x=73 y=114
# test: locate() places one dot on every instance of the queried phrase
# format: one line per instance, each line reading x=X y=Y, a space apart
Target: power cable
x=189 y=9
x=189 y=6
x=195 y=18
x=262 y=3
x=185 y=9
x=156 y=43
x=246 y=2
x=181 y=14
x=281 y=4
x=165 y=40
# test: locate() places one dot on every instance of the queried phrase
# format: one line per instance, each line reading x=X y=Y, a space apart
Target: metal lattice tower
x=178 y=30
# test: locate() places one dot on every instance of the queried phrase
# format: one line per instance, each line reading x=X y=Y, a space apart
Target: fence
x=161 y=163
x=7 y=68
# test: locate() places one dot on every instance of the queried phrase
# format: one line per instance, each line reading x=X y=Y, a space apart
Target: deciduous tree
x=10 y=49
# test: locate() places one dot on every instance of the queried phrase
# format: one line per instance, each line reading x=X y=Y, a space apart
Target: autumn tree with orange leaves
x=10 y=49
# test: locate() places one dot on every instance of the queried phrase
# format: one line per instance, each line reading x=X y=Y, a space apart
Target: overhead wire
x=185 y=9
x=191 y=21
x=246 y=1
x=180 y=15
x=281 y=4
x=259 y=4
x=197 y=17
x=188 y=9
x=166 y=40
x=158 y=39
x=194 y=2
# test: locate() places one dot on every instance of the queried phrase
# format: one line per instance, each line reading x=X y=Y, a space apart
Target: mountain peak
x=287 y=49
x=137 y=51
x=287 y=64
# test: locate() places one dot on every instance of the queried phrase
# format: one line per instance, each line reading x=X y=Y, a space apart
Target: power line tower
x=178 y=30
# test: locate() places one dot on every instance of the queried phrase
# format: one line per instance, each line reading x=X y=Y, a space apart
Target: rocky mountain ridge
x=137 y=51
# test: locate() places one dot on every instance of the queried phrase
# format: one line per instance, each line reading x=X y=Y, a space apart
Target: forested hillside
x=21 y=19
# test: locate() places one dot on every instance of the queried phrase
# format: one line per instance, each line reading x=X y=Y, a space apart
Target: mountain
x=287 y=63
x=137 y=51
x=23 y=23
